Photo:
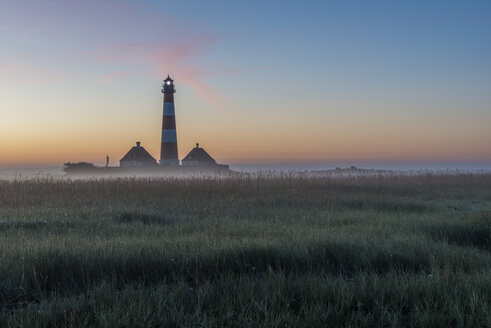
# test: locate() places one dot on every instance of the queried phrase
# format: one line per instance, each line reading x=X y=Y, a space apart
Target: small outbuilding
x=137 y=156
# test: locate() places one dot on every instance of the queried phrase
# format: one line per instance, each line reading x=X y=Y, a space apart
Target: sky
x=257 y=82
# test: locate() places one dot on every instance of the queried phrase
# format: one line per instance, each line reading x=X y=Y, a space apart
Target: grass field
x=247 y=251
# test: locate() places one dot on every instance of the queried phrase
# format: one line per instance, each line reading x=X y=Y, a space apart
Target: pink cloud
x=98 y=3
x=21 y=73
x=20 y=32
x=29 y=32
x=158 y=55
x=178 y=59
x=18 y=68
x=114 y=76
x=193 y=77
x=175 y=58
x=143 y=46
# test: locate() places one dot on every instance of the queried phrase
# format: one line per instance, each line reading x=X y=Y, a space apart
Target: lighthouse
x=168 y=149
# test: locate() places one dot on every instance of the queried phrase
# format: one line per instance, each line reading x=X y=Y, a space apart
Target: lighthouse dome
x=168 y=86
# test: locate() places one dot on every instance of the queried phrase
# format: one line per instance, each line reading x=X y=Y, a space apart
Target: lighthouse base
x=169 y=162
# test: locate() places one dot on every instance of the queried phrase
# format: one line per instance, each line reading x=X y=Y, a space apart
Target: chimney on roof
x=197 y=145
x=138 y=144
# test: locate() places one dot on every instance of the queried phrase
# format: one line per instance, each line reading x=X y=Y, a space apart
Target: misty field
x=247 y=251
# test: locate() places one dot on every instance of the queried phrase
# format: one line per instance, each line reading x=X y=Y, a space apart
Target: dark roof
x=139 y=154
x=168 y=79
x=199 y=155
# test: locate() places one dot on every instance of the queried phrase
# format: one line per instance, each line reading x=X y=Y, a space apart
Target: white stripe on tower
x=169 y=135
x=169 y=109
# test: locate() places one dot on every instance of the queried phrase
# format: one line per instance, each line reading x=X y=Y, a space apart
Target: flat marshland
x=247 y=251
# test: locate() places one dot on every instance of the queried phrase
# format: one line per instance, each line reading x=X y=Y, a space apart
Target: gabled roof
x=139 y=154
x=199 y=155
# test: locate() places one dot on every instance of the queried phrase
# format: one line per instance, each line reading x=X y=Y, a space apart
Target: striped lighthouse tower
x=168 y=149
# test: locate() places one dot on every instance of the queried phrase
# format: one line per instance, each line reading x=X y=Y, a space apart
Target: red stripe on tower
x=168 y=149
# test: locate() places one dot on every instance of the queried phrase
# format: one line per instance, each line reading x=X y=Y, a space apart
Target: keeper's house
x=199 y=157
x=137 y=156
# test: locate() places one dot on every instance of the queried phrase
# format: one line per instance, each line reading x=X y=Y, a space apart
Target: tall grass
x=247 y=250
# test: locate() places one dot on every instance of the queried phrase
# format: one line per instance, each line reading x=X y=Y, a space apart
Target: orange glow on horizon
x=233 y=145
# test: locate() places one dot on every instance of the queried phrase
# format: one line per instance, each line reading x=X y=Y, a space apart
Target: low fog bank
x=31 y=172
x=401 y=167
x=306 y=170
